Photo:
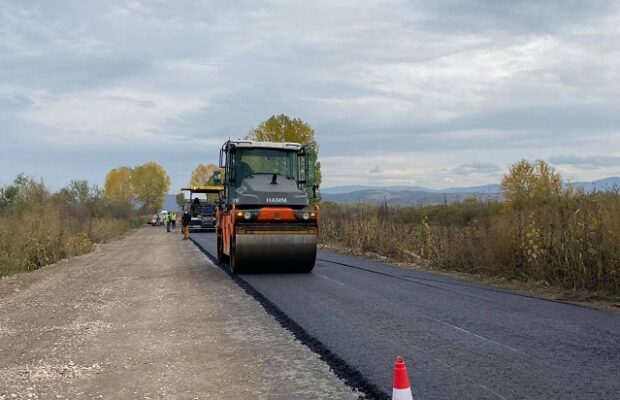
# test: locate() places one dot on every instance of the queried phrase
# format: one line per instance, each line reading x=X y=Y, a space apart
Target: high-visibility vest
x=173 y=217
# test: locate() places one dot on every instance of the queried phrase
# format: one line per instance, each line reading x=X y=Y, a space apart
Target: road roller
x=265 y=220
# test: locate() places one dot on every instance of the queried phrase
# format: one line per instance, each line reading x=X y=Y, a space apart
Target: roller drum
x=282 y=252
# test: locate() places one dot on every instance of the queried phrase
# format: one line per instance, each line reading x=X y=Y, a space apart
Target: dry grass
x=38 y=227
x=570 y=241
x=29 y=240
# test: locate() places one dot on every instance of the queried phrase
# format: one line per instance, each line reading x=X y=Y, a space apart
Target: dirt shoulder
x=148 y=317
x=539 y=289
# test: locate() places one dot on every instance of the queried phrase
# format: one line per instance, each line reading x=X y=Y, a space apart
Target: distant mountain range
x=355 y=188
x=408 y=195
x=601 y=185
x=418 y=195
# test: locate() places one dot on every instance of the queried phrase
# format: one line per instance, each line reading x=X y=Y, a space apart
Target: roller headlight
x=305 y=216
x=247 y=215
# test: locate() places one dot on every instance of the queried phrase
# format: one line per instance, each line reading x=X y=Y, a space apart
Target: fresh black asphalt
x=460 y=340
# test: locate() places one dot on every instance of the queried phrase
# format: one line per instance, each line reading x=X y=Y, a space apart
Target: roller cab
x=266 y=221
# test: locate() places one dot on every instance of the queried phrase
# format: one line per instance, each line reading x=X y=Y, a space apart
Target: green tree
x=203 y=174
x=150 y=183
x=118 y=188
x=30 y=191
x=282 y=128
x=528 y=180
x=78 y=193
x=8 y=197
x=180 y=200
x=24 y=193
x=83 y=200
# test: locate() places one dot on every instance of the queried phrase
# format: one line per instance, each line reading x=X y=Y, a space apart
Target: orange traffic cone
x=402 y=388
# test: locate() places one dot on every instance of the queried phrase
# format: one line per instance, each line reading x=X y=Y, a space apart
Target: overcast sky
x=433 y=93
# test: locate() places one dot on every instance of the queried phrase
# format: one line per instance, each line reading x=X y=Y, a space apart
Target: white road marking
x=484 y=338
x=332 y=280
x=474 y=334
x=491 y=391
x=428 y=316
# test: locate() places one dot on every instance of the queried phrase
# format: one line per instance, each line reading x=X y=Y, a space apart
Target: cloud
x=593 y=161
x=477 y=168
x=516 y=17
x=423 y=90
x=109 y=116
x=407 y=168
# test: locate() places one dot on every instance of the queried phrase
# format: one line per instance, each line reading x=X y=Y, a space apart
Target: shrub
x=39 y=228
x=570 y=240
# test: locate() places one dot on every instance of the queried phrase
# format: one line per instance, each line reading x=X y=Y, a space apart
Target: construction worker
x=185 y=220
x=173 y=219
x=168 y=219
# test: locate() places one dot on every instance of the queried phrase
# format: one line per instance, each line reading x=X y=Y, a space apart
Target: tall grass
x=571 y=240
x=38 y=228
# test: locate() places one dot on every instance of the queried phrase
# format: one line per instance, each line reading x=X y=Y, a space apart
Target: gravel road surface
x=148 y=317
x=461 y=340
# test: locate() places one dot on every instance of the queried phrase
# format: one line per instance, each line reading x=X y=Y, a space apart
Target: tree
x=30 y=191
x=282 y=128
x=150 y=183
x=526 y=180
x=203 y=174
x=76 y=194
x=25 y=192
x=180 y=200
x=8 y=197
x=81 y=199
x=118 y=188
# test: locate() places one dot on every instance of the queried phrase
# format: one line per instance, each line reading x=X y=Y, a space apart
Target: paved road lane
x=462 y=340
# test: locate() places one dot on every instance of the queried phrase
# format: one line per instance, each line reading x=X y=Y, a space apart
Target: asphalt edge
x=350 y=375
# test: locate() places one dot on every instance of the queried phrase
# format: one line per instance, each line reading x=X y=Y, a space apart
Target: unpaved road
x=148 y=317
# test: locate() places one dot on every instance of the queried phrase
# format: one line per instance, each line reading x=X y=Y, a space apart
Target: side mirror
x=222 y=163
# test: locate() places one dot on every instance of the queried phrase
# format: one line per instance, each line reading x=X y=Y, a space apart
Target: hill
x=416 y=195
x=407 y=197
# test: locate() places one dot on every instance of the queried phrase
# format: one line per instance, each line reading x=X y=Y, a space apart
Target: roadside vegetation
x=203 y=174
x=545 y=232
x=40 y=227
